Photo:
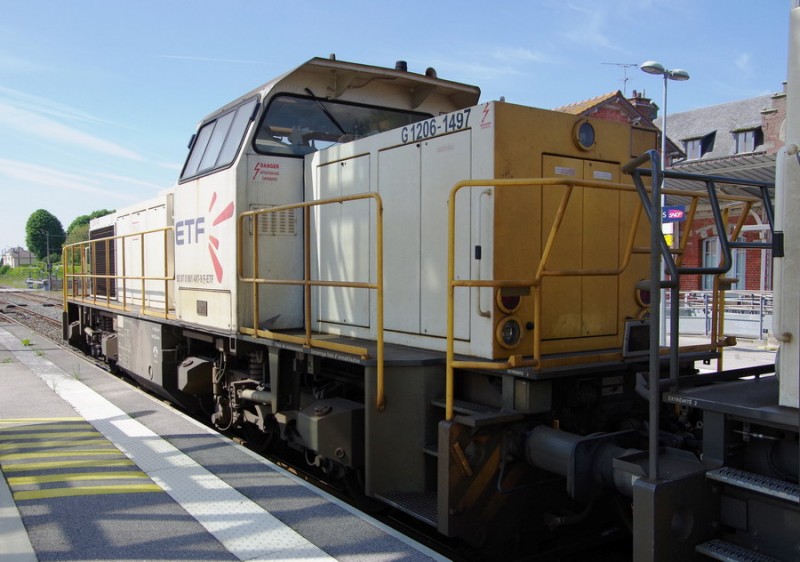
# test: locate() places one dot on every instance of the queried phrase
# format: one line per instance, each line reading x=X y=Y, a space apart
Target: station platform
x=94 y=469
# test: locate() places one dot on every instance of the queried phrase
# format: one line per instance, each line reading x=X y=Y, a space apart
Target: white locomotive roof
x=341 y=76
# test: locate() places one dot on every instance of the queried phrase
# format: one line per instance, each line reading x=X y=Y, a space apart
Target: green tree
x=84 y=220
x=77 y=233
x=43 y=231
x=78 y=229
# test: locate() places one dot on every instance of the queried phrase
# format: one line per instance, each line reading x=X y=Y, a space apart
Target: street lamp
x=47 y=234
x=679 y=75
x=49 y=265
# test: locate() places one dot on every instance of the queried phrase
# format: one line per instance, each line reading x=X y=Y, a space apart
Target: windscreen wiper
x=326 y=112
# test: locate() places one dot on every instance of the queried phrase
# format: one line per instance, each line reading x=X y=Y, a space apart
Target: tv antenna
x=625 y=66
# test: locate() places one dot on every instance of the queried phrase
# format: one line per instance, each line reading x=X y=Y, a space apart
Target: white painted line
x=242 y=526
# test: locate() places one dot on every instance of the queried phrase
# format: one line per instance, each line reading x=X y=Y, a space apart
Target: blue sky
x=98 y=98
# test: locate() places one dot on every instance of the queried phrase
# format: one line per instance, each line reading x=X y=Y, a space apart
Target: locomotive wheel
x=260 y=441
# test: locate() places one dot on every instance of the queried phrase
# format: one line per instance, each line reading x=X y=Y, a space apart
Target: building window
x=693 y=149
x=747 y=140
x=698 y=146
x=711 y=258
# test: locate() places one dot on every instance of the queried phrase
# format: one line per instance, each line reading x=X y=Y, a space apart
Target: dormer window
x=747 y=140
x=696 y=147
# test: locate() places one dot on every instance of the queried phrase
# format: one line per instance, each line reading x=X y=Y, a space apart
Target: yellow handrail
x=85 y=281
x=535 y=282
x=308 y=340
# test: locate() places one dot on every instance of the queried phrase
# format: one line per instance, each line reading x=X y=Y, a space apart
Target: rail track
x=41 y=313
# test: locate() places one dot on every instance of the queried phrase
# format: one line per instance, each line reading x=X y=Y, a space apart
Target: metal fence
x=748 y=314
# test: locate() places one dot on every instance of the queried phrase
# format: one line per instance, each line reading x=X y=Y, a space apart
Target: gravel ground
x=29 y=308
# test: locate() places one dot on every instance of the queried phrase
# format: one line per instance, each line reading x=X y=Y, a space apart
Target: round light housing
x=508 y=303
x=509 y=332
x=652 y=67
x=584 y=135
x=642 y=297
x=678 y=74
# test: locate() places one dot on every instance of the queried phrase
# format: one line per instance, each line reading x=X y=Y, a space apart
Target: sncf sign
x=673 y=214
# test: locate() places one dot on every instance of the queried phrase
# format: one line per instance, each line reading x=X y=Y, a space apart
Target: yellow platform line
x=59 y=444
x=43 y=426
x=107 y=463
x=66 y=453
x=85 y=491
x=34 y=420
x=74 y=477
x=48 y=434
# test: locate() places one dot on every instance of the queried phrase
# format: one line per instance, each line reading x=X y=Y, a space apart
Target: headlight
x=584 y=135
x=509 y=332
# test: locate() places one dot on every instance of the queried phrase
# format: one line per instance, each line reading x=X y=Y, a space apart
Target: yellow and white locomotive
x=442 y=300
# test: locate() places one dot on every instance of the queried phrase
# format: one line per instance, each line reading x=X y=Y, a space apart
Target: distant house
x=15 y=257
x=738 y=139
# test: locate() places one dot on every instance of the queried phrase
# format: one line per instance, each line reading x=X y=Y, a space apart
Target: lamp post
x=49 y=265
x=47 y=234
x=679 y=75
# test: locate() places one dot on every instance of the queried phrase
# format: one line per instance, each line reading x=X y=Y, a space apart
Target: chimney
x=644 y=105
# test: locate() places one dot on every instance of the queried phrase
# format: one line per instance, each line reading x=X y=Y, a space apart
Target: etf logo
x=188 y=231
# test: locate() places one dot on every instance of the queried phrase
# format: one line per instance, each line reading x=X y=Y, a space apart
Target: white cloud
x=56 y=179
x=44 y=106
x=30 y=123
x=511 y=54
x=467 y=69
x=588 y=29
x=116 y=178
x=13 y=63
x=211 y=59
x=743 y=62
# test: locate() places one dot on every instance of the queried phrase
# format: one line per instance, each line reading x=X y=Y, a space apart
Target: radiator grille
x=279 y=223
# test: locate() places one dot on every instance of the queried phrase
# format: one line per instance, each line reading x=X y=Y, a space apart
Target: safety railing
x=721 y=207
x=91 y=276
x=534 y=356
x=662 y=257
x=308 y=339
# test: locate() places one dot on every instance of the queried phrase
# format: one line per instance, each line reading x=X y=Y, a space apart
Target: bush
x=17 y=276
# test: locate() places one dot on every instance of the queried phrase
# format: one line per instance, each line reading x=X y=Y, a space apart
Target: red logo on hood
x=213 y=241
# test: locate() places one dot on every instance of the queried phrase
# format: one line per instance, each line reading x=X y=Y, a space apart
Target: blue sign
x=674 y=213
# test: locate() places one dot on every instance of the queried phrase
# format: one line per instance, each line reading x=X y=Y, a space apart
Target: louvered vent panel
x=280 y=223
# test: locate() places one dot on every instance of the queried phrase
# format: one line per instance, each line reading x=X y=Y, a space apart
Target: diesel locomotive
x=450 y=305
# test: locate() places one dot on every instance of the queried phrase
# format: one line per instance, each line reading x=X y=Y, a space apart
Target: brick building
x=738 y=139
